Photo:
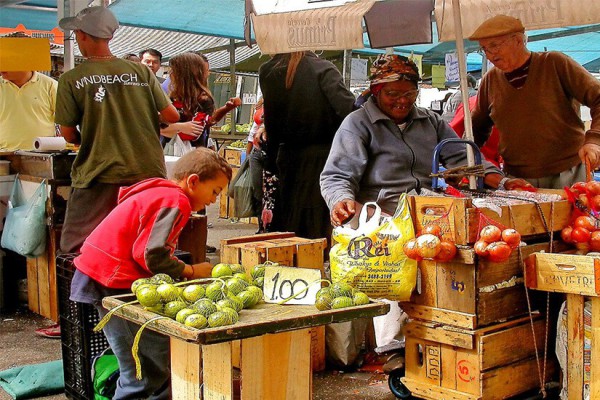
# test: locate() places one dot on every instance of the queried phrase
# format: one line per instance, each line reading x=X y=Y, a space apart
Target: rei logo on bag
x=364 y=247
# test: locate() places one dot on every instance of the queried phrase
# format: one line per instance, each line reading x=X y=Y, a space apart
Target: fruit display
x=496 y=244
x=584 y=229
x=339 y=295
x=430 y=245
x=238 y=144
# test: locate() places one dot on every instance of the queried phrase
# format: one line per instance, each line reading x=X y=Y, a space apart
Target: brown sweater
x=541 y=130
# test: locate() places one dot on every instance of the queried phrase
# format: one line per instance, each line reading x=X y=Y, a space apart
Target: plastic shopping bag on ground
x=242 y=191
x=371 y=259
x=25 y=226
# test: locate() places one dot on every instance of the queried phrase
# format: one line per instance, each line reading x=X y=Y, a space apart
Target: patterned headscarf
x=390 y=68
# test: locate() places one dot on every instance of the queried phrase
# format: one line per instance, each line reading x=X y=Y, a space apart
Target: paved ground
x=20 y=346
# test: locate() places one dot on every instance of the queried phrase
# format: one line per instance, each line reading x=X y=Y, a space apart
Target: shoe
x=209 y=225
x=52 y=332
x=211 y=249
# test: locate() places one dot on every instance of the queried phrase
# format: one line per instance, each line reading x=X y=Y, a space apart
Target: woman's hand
x=192 y=128
x=260 y=136
x=342 y=211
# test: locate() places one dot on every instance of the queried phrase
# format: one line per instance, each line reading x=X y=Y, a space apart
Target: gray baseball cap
x=96 y=21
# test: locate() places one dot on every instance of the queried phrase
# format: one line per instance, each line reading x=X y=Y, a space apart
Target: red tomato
x=511 y=237
x=447 y=251
x=593 y=187
x=596 y=202
x=583 y=199
x=566 y=234
x=490 y=233
x=595 y=241
x=428 y=245
x=499 y=251
x=410 y=249
x=432 y=229
x=586 y=222
x=580 y=235
x=480 y=248
x=578 y=187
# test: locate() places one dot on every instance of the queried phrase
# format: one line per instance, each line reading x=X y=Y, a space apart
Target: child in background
x=137 y=240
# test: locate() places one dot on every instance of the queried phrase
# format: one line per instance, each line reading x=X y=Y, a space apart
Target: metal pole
x=462 y=69
x=68 y=56
x=347 y=68
x=232 y=86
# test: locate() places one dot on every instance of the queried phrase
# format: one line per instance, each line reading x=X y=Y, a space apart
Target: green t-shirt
x=115 y=103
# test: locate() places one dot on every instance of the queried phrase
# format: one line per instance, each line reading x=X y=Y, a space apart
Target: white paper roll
x=49 y=143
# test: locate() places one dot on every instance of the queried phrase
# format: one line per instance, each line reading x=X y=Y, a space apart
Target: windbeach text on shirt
x=123 y=79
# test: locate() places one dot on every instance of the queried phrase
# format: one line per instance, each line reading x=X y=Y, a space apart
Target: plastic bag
x=242 y=191
x=177 y=147
x=25 y=226
x=371 y=258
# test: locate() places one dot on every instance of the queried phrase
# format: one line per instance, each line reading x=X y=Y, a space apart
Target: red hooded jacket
x=138 y=238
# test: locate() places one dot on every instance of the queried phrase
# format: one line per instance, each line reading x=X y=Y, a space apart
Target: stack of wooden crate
x=469 y=334
x=288 y=250
x=226 y=203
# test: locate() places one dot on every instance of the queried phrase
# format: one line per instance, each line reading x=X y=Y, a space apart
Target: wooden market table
x=224 y=138
x=275 y=350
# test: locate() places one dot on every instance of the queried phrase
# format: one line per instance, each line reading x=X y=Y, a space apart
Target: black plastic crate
x=80 y=344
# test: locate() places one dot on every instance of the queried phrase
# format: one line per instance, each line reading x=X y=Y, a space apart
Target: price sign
x=284 y=282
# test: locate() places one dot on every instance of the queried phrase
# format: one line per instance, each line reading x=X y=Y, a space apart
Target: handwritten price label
x=284 y=282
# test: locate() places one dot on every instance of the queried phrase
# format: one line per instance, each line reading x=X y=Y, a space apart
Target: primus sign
x=311 y=32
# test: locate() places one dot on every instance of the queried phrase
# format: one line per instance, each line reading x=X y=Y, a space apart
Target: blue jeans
x=154 y=355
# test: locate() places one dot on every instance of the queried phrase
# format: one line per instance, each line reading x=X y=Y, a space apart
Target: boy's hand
x=201 y=270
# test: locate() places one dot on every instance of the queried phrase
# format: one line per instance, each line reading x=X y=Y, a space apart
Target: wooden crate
x=578 y=277
x=287 y=249
x=495 y=362
x=463 y=218
x=470 y=292
x=233 y=156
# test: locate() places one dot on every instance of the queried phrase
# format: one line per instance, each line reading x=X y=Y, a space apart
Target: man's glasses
x=494 y=47
x=395 y=95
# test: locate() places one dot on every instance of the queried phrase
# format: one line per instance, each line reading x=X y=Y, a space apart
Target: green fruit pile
x=240 y=144
x=339 y=295
x=215 y=304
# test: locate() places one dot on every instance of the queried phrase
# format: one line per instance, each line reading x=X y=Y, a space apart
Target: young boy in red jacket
x=137 y=240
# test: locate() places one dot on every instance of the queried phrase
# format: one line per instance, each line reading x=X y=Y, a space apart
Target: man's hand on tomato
x=518 y=184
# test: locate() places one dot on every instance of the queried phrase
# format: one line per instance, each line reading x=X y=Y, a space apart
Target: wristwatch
x=502 y=183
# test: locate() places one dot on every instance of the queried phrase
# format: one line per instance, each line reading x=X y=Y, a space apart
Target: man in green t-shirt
x=110 y=107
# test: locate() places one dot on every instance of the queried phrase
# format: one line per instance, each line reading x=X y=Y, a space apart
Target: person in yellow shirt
x=27 y=103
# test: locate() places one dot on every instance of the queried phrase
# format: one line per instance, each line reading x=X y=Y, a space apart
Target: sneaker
x=211 y=249
x=52 y=332
x=209 y=225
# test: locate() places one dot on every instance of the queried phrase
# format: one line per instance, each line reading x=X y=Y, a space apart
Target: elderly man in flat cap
x=533 y=99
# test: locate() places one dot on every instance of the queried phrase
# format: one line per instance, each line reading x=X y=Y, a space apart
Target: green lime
x=147 y=296
x=173 y=307
x=238 y=304
x=340 y=289
x=248 y=298
x=204 y=307
x=221 y=270
x=197 y=321
x=323 y=302
x=138 y=282
x=158 y=308
x=237 y=268
x=193 y=293
x=360 y=299
x=243 y=276
x=341 y=302
x=183 y=314
x=236 y=285
x=216 y=291
x=168 y=292
x=218 y=318
x=325 y=290
x=259 y=282
x=232 y=315
x=258 y=271
x=161 y=278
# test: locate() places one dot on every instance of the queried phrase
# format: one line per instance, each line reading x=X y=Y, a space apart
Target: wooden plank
x=566 y=273
x=193 y=238
x=261 y=319
x=54 y=245
x=513 y=379
x=431 y=392
x=438 y=334
x=217 y=374
x=575 y=342
x=448 y=368
x=468 y=374
x=251 y=257
x=224 y=204
x=283 y=255
x=317 y=348
x=186 y=370
x=277 y=366
x=511 y=345
x=426 y=292
x=259 y=237
x=310 y=255
x=32 y=285
x=456 y=287
x=426 y=313
x=501 y=304
x=595 y=349
x=44 y=284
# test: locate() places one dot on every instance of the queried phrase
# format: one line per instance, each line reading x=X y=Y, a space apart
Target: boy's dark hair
x=203 y=162
x=152 y=52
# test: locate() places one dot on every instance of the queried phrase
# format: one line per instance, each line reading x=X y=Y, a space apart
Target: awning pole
x=347 y=68
x=462 y=70
x=232 y=83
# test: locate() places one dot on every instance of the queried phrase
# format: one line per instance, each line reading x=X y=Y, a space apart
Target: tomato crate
x=471 y=292
x=286 y=249
x=495 y=362
x=463 y=217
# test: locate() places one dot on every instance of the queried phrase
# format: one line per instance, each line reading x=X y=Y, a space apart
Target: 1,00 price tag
x=283 y=282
